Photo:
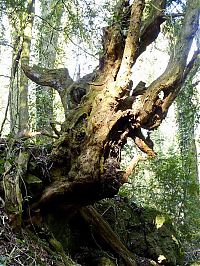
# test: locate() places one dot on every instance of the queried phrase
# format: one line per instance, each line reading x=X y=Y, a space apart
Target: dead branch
x=151 y=26
x=169 y=82
x=144 y=147
x=55 y=78
x=131 y=167
x=92 y=217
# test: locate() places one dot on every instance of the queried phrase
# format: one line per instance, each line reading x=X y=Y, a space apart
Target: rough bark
x=99 y=114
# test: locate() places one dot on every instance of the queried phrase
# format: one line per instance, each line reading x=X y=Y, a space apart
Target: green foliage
x=164 y=184
x=2 y=169
x=170 y=181
x=16 y=5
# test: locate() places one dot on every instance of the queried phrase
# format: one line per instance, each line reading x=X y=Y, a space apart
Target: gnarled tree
x=102 y=109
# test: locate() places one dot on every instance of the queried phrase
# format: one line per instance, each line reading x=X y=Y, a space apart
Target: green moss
x=32 y=179
x=195 y=263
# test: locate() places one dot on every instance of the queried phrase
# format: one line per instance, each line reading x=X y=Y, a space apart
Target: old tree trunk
x=102 y=109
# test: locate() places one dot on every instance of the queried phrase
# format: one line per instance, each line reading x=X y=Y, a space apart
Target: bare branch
x=49 y=24
x=151 y=26
x=55 y=78
x=171 y=96
x=171 y=80
x=191 y=63
x=132 y=42
x=131 y=167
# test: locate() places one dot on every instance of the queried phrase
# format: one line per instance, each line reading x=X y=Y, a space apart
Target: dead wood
x=92 y=217
x=86 y=157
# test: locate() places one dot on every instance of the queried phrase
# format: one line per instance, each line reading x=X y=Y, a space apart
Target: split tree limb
x=131 y=44
x=169 y=82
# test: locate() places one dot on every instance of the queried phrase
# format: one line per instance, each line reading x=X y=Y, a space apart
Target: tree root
x=91 y=216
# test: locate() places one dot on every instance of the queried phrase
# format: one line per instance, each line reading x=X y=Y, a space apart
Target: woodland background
x=56 y=33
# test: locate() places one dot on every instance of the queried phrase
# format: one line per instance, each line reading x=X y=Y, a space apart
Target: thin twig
x=62 y=29
x=5 y=76
x=131 y=167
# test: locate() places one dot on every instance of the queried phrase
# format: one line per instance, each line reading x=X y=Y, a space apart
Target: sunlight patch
x=160 y=219
x=161 y=258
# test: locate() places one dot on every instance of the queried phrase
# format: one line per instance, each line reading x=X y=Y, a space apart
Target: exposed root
x=92 y=217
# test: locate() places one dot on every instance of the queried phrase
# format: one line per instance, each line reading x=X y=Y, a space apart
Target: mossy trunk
x=102 y=109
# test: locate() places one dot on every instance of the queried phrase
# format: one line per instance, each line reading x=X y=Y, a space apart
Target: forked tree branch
x=170 y=81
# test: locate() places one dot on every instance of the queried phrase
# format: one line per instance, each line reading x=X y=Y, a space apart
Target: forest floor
x=21 y=249
x=32 y=248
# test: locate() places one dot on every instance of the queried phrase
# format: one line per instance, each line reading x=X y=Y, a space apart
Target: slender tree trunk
x=25 y=57
x=48 y=44
x=186 y=112
x=14 y=173
x=14 y=85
